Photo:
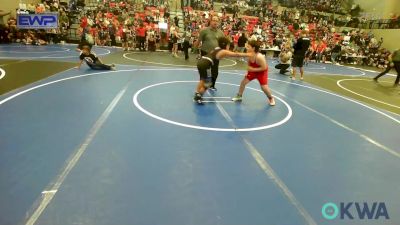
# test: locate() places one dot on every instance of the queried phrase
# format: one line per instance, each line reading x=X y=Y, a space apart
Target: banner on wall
x=37 y=21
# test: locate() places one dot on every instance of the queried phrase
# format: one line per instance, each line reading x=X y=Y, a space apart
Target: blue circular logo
x=330 y=211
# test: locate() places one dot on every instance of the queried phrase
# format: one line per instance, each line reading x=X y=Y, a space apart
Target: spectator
x=242 y=43
x=2 y=15
x=186 y=43
x=141 y=35
x=336 y=52
x=284 y=60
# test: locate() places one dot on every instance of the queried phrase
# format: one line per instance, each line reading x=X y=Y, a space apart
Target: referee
x=300 y=49
x=209 y=41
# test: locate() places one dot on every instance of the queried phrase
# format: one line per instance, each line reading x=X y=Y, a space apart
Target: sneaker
x=272 y=102
x=301 y=78
x=293 y=78
x=213 y=89
x=237 y=98
x=375 y=80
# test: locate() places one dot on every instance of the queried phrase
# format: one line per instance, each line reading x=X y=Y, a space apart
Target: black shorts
x=298 y=61
x=204 y=68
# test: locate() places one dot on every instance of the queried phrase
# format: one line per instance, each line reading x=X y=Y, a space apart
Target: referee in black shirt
x=300 y=49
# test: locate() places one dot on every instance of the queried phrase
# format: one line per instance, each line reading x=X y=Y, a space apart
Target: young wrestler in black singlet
x=206 y=62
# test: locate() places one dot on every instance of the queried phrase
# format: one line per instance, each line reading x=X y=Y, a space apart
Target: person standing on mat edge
x=186 y=43
x=300 y=49
x=394 y=61
x=92 y=60
x=207 y=62
x=257 y=69
x=209 y=41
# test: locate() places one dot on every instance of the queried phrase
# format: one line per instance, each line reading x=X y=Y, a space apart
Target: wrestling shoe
x=198 y=99
x=237 y=98
x=272 y=101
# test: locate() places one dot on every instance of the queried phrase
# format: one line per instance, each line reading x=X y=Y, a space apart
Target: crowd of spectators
x=135 y=25
x=331 y=6
x=148 y=25
x=275 y=26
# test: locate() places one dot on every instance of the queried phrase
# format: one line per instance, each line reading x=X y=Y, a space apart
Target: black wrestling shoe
x=198 y=99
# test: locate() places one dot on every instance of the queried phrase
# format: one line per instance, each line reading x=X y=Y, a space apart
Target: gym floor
x=130 y=147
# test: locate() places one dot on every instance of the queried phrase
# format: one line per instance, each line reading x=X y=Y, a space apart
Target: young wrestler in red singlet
x=257 y=69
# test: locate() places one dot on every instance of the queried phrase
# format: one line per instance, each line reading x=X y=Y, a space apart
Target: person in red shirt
x=290 y=27
x=235 y=41
x=319 y=50
x=84 y=22
x=141 y=35
x=257 y=69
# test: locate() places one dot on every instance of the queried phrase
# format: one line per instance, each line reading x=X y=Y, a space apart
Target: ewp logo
x=37 y=21
x=331 y=211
